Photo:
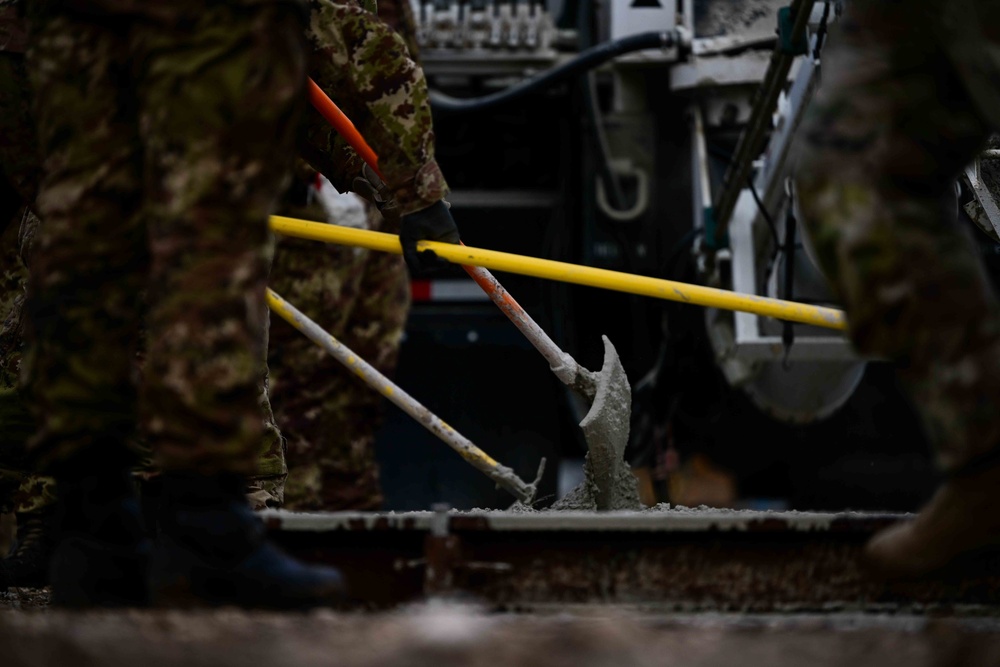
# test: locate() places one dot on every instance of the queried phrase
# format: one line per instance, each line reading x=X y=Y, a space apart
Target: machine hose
x=586 y=60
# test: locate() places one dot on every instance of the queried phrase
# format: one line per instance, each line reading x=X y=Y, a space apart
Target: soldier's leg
x=20 y=166
x=323 y=280
x=375 y=332
x=22 y=491
x=15 y=424
x=329 y=417
x=888 y=132
x=89 y=262
x=266 y=487
x=220 y=101
x=87 y=270
x=27 y=494
x=209 y=193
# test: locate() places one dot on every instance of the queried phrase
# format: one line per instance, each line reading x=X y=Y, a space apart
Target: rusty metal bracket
x=444 y=558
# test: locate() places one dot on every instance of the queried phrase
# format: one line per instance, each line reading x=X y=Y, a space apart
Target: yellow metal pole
x=658 y=288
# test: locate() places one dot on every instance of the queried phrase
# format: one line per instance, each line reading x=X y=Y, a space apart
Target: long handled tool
x=697 y=295
x=606 y=425
x=502 y=475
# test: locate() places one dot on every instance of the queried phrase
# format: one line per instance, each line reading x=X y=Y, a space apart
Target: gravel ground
x=438 y=634
x=23 y=599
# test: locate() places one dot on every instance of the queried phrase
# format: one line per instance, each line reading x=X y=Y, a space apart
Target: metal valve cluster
x=495 y=25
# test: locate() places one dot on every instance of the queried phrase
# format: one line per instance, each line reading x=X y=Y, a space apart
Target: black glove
x=372 y=188
x=433 y=223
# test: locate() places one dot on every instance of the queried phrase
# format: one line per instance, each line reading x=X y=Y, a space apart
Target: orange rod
x=342 y=124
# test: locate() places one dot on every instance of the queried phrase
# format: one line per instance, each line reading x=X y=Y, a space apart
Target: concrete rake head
x=608 y=482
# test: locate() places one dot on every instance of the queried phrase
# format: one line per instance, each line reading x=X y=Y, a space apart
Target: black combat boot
x=101 y=549
x=28 y=562
x=210 y=549
x=960 y=519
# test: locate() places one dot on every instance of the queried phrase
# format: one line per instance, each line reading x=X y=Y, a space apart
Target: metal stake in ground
x=502 y=475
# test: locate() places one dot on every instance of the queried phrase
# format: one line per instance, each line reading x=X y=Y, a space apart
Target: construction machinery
x=650 y=137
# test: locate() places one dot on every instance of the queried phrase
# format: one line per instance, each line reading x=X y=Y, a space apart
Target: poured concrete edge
x=651 y=520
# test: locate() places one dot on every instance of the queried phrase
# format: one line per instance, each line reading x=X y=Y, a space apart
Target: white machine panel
x=629 y=17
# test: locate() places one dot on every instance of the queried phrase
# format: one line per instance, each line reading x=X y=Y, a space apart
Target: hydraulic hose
x=585 y=61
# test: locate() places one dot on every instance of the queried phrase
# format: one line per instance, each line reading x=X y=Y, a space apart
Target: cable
x=777 y=248
x=788 y=248
x=763 y=211
x=587 y=60
x=821 y=31
x=679 y=247
x=611 y=184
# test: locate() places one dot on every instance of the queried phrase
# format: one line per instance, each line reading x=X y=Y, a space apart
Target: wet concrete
x=715 y=18
x=608 y=483
x=662 y=518
x=438 y=634
x=616 y=483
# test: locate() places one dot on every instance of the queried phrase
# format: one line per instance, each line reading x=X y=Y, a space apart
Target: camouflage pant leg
x=89 y=264
x=375 y=332
x=205 y=100
x=884 y=139
x=20 y=489
x=15 y=424
x=329 y=417
x=266 y=486
x=13 y=276
x=20 y=164
x=20 y=171
x=222 y=142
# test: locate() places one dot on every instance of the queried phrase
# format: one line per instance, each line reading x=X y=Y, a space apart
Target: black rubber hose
x=587 y=60
x=788 y=331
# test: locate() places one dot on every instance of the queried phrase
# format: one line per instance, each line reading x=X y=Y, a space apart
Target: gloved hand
x=433 y=223
x=374 y=189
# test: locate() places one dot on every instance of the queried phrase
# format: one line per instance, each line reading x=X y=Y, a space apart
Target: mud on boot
x=27 y=564
x=101 y=550
x=211 y=550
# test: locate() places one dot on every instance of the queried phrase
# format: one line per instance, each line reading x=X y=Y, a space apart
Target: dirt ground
x=436 y=634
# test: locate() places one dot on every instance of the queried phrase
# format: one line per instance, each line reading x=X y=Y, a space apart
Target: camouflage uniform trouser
x=898 y=114
x=158 y=182
x=20 y=171
x=328 y=415
x=22 y=490
x=19 y=489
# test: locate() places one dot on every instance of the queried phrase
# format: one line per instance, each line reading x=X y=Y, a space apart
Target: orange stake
x=342 y=124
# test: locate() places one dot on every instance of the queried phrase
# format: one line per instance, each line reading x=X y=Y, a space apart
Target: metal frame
x=675 y=559
x=750 y=344
x=981 y=192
